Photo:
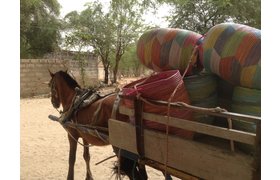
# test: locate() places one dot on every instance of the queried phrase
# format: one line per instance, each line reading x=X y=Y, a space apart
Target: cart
x=212 y=156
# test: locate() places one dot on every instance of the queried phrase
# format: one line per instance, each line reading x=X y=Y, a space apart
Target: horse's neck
x=66 y=96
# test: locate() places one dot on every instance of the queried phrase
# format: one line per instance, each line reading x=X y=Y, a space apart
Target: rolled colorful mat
x=246 y=101
x=233 y=52
x=202 y=90
x=164 y=49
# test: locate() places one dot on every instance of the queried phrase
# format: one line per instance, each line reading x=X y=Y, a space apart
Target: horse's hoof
x=89 y=178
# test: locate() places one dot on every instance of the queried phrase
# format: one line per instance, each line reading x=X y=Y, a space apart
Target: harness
x=82 y=99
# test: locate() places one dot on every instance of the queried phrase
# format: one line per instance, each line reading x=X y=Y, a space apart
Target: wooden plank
x=257 y=162
x=126 y=111
x=209 y=111
x=195 y=158
x=171 y=171
x=119 y=130
x=230 y=134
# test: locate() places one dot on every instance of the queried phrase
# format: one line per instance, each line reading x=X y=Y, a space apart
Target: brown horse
x=96 y=114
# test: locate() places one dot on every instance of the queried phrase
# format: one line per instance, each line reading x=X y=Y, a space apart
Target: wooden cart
x=213 y=156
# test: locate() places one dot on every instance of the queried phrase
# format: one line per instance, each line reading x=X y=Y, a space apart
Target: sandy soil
x=44 y=147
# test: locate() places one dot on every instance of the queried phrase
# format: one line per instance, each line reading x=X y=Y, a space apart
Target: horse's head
x=62 y=88
x=54 y=91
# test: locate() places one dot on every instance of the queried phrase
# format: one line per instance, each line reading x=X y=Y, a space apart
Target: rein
x=82 y=144
x=65 y=111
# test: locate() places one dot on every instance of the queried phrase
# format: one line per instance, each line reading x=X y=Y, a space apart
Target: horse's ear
x=51 y=74
x=66 y=70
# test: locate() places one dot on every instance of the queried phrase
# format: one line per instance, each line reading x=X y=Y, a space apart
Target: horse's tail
x=129 y=167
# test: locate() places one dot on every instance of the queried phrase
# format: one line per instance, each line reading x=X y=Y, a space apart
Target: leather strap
x=115 y=107
x=138 y=109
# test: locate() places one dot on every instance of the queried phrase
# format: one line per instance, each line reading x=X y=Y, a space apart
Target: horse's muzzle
x=55 y=104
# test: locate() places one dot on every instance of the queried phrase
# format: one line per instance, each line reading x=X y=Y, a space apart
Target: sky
x=72 y=5
x=78 y=5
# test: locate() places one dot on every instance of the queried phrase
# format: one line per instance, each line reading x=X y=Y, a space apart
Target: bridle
x=54 y=94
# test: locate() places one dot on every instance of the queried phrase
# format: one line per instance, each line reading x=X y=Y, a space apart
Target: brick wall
x=34 y=73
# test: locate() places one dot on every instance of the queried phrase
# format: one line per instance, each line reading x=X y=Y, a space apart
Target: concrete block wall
x=34 y=74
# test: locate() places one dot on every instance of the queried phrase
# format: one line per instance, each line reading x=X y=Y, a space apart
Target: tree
x=109 y=34
x=93 y=28
x=127 y=19
x=201 y=15
x=99 y=28
x=247 y=12
x=39 y=27
x=75 y=39
x=197 y=15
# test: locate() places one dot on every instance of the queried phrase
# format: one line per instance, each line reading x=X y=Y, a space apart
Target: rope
x=77 y=139
x=64 y=111
x=96 y=135
x=191 y=62
x=105 y=159
x=230 y=127
x=133 y=172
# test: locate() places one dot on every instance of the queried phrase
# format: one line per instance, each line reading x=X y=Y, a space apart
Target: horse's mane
x=69 y=80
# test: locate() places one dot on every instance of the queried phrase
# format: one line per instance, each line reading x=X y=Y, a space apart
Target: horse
x=63 y=92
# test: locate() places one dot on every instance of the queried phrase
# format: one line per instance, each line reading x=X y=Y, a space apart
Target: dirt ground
x=44 y=147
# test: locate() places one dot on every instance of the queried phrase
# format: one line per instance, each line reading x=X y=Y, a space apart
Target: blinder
x=54 y=94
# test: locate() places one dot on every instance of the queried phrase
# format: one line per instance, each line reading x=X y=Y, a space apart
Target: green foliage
x=196 y=15
x=127 y=17
x=80 y=57
x=247 y=12
x=75 y=38
x=39 y=27
x=94 y=28
x=109 y=34
x=201 y=15
x=129 y=64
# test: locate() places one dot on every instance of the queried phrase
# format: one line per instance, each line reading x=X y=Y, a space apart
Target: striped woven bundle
x=233 y=52
x=202 y=90
x=246 y=101
x=200 y=86
x=166 y=48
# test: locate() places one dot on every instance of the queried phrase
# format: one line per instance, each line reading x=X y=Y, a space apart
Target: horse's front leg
x=143 y=172
x=72 y=157
x=87 y=160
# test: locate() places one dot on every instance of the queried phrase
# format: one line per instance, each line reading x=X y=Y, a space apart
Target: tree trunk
x=116 y=68
x=106 y=75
